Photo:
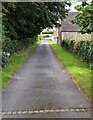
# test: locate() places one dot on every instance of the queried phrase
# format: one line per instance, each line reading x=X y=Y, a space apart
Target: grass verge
x=78 y=70
x=14 y=64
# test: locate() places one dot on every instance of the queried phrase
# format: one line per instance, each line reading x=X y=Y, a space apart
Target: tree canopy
x=85 y=17
x=27 y=19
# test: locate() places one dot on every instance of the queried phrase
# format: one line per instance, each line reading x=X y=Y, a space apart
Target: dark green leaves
x=27 y=19
x=85 y=17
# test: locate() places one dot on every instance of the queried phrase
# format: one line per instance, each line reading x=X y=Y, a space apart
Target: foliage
x=83 y=49
x=27 y=19
x=10 y=46
x=69 y=45
x=85 y=17
x=23 y=21
x=5 y=58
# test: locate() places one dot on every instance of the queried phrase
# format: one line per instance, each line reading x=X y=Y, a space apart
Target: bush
x=83 y=49
x=11 y=46
x=68 y=44
x=5 y=58
x=71 y=45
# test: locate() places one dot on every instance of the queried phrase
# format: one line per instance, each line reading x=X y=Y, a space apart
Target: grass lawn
x=78 y=69
x=14 y=64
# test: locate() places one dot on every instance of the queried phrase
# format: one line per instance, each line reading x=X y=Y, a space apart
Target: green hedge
x=83 y=49
x=5 y=58
x=9 y=47
x=69 y=45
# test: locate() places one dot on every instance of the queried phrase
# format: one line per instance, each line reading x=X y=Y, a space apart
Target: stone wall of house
x=55 y=35
x=75 y=36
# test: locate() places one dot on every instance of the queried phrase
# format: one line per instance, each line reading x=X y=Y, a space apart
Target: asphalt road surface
x=42 y=89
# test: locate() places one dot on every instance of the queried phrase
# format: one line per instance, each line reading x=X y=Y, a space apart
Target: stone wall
x=75 y=36
x=55 y=35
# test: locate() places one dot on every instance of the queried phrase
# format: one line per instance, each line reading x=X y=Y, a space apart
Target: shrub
x=83 y=49
x=71 y=45
x=68 y=44
x=11 y=46
x=65 y=44
x=5 y=58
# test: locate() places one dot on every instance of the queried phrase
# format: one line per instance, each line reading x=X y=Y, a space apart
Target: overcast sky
x=73 y=5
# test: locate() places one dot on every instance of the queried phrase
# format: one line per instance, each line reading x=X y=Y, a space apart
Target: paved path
x=42 y=84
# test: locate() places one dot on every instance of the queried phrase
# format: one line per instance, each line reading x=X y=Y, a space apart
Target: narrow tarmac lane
x=42 y=84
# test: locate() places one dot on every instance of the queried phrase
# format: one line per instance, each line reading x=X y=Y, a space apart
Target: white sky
x=73 y=5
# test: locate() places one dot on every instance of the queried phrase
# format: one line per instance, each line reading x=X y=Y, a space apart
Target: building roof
x=67 y=26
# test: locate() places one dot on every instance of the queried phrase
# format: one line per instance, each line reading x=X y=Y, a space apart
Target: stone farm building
x=69 y=30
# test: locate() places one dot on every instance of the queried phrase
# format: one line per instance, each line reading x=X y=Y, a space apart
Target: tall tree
x=27 y=19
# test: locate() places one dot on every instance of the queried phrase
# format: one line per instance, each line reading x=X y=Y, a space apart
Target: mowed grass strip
x=14 y=64
x=77 y=68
